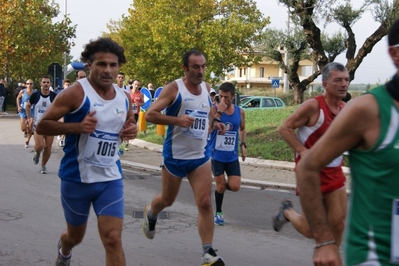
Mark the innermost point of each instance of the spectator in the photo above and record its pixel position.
(151, 89)
(4, 94)
(21, 86)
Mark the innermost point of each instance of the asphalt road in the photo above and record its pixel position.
(31, 219)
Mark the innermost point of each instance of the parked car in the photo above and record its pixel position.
(238, 98)
(261, 102)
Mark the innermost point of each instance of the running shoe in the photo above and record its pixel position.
(26, 144)
(36, 157)
(43, 170)
(279, 219)
(127, 146)
(121, 150)
(60, 261)
(211, 259)
(148, 226)
(61, 143)
(219, 219)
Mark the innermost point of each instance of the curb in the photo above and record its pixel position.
(248, 161)
(244, 181)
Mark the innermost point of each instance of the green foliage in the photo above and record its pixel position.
(156, 34)
(333, 44)
(31, 41)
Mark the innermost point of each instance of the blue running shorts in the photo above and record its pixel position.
(106, 197)
(181, 168)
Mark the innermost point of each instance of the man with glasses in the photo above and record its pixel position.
(81, 74)
(40, 101)
(185, 152)
(369, 128)
(22, 100)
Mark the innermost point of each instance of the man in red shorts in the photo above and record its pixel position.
(311, 120)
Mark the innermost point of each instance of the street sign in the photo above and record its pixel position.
(275, 83)
(279, 78)
(157, 92)
(156, 95)
(55, 70)
(147, 98)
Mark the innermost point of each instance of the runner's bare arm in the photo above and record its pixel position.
(302, 116)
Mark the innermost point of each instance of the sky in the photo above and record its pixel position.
(92, 16)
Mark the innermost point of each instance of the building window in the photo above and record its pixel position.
(240, 72)
(262, 72)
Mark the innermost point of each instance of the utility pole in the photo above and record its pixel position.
(65, 54)
(286, 57)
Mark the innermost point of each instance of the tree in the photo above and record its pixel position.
(298, 49)
(31, 41)
(155, 35)
(324, 48)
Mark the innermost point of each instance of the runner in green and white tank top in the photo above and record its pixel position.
(373, 217)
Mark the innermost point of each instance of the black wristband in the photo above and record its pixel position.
(216, 120)
(243, 144)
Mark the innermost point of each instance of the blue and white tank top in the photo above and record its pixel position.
(24, 101)
(225, 147)
(94, 157)
(188, 143)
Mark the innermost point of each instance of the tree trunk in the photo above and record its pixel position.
(298, 93)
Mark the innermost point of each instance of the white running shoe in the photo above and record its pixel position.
(148, 226)
(211, 259)
(43, 170)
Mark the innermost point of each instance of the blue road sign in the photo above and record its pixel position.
(147, 98)
(156, 95)
(157, 92)
(275, 83)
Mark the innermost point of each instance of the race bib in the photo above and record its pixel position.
(135, 109)
(395, 232)
(101, 149)
(226, 142)
(198, 128)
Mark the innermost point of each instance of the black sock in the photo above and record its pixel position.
(218, 201)
(152, 220)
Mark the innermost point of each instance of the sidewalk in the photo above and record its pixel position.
(255, 172)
